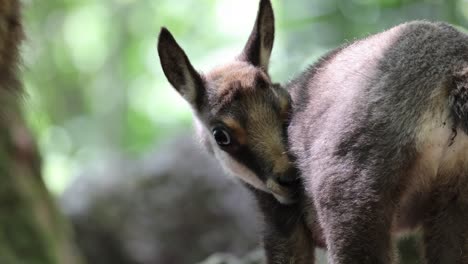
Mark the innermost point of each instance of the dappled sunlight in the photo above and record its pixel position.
(234, 19)
(89, 48)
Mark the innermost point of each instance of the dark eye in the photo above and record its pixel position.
(221, 136)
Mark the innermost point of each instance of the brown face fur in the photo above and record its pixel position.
(243, 101)
(239, 102)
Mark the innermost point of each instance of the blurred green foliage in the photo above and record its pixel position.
(95, 87)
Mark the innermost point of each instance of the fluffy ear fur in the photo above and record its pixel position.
(260, 43)
(178, 69)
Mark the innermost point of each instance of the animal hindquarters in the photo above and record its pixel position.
(356, 217)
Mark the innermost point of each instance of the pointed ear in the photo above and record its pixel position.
(260, 43)
(179, 71)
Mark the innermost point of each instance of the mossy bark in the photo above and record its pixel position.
(32, 230)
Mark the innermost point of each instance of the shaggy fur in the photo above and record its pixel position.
(378, 130)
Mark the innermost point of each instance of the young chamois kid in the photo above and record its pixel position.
(377, 130)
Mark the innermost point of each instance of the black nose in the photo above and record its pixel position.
(289, 178)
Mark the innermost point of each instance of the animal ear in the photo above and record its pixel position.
(178, 69)
(260, 43)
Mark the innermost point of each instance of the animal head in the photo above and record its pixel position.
(241, 116)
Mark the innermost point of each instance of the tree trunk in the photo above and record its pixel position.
(32, 231)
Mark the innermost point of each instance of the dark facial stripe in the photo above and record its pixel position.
(245, 156)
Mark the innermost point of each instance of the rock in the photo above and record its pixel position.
(174, 205)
